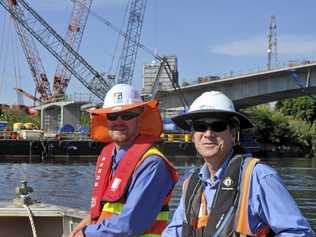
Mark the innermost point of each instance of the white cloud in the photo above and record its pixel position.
(288, 45)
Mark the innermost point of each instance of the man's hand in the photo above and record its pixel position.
(77, 231)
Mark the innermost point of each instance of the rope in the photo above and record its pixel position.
(29, 213)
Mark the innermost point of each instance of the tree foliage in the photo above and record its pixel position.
(15, 116)
(271, 126)
(302, 108)
(291, 124)
(304, 134)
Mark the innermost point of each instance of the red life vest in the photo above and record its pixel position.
(111, 188)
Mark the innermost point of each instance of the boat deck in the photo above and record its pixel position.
(49, 220)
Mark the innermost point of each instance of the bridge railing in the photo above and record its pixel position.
(231, 74)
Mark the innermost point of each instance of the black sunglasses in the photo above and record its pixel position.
(218, 126)
(128, 115)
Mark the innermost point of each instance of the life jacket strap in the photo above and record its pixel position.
(242, 222)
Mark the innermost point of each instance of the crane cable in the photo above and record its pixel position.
(120, 32)
(151, 52)
(118, 39)
(16, 61)
(4, 49)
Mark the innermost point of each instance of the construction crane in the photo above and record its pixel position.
(73, 37)
(27, 94)
(173, 77)
(51, 40)
(164, 64)
(131, 41)
(42, 86)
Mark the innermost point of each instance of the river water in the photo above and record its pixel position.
(70, 184)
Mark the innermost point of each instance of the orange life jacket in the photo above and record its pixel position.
(110, 189)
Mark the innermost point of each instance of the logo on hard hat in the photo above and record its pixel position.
(118, 97)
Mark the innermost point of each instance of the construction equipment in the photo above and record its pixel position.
(28, 95)
(173, 77)
(131, 41)
(84, 72)
(164, 64)
(73, 37)
(31, 54)
(51, 40)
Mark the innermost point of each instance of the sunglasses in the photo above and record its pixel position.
(124, 116)
(218, 126)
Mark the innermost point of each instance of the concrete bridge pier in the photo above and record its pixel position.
(55, 115)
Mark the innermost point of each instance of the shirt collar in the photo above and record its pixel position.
(205, 176)
(123, 149)
(117, 155)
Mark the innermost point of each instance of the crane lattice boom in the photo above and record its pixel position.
(131, 41)
(52, 41)
(73, 37)
(31, 54)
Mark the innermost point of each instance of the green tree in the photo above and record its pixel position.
(15, 116)
(271, 126)
(85, 119)
(303, 108)
(304, 134)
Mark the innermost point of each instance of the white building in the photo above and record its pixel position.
(150, 72)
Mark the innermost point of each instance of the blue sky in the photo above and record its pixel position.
(210, 37)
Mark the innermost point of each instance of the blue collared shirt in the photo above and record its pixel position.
(269, 203)
(151, 182)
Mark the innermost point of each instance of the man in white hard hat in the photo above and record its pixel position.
(133, 179)
(231, 194)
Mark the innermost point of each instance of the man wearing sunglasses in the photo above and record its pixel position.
(133, 179)
(231, 194)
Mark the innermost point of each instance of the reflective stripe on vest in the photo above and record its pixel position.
(116, 208)
(162, 218)
(240, 220)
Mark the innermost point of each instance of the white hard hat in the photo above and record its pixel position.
(121, 95)
(211, 105)
(212, 100)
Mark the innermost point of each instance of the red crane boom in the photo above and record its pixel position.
(51, 40)
(73, 37)
(32, 55)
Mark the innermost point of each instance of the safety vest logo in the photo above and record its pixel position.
(228, 182)
(115, 184)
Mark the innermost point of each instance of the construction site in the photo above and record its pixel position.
(60, 131)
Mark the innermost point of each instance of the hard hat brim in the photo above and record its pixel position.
(118, 108)
(150, 121)
(182, 120)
